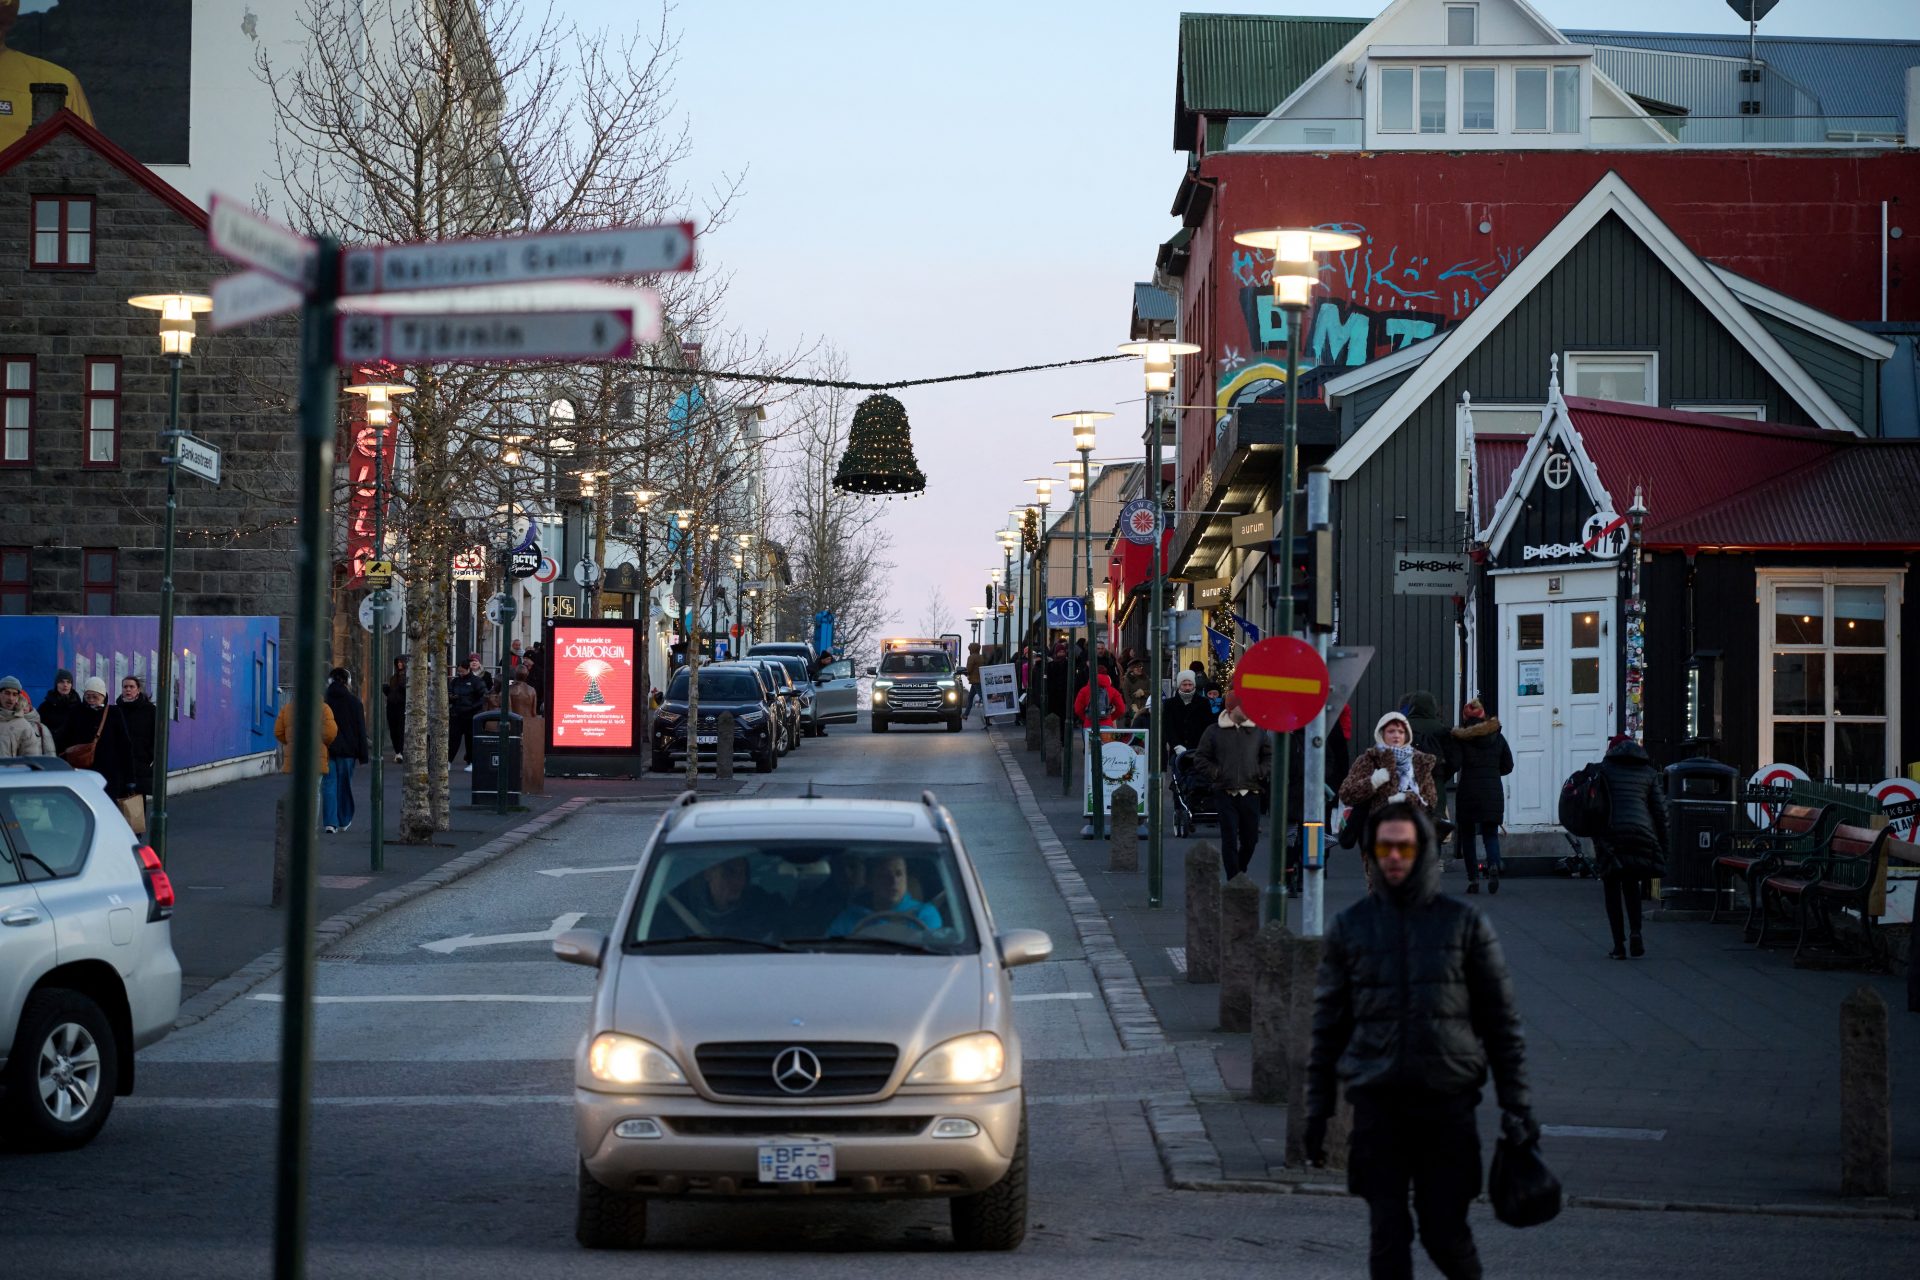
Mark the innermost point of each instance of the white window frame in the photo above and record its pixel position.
(1473, 11)
(1554, 123)
(1570, 362)
(1893, 581)
(1546, 100)
(1551, 124)
(1535, 411)
(1745, 412)
(1420, 97)
(1413, 100)
(1493, 74)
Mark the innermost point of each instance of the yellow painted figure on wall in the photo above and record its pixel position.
(18, 71)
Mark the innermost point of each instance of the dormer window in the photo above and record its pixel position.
(1413, 99)
(1463, 24)
(1546, 99)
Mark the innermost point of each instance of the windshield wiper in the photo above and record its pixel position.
(761, 943)
(891, 944)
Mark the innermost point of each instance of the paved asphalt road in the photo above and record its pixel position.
(443, 1146)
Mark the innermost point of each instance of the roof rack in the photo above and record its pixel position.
(39, 764)
(934, 813)
(686, 799)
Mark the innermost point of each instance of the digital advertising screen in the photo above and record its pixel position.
(127, 66)
(592, 702)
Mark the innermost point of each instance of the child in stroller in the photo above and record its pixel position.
(1192, 800)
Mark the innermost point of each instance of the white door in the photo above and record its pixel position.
(1556, 685)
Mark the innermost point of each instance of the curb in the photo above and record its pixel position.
(329, 931)
(1187, 1154)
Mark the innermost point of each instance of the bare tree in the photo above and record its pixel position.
(419, 120)
(835, 540)
(935, 618)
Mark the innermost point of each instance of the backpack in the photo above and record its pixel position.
(1584, 803)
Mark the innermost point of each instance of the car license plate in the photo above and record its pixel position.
(709, 740)
(797, 1162)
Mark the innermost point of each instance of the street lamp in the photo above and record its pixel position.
(1007, 539)
(1296, 272)
(1084, 422)
(379, 396)
(176, 344)
(1043, 498)
(1156, 362)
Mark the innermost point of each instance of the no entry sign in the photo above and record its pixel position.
(1282, 683)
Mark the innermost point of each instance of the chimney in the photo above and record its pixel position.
(48, 99)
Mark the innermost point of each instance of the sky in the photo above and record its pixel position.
(941, 188)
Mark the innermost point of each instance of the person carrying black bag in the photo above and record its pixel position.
(1413, 1008)
(1633, 848)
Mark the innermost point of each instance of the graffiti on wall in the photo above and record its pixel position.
(1378, 298)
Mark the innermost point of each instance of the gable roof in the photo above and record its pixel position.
(1611, 195)
(64, 122)
(1709, 481)
(1240, 64)
(1798, 313)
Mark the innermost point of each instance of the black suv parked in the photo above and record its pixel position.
(722, 688)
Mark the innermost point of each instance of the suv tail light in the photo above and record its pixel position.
(159, 884)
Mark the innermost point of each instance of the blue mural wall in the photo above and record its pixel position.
(225, 673)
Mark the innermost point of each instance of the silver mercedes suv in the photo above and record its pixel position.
(87, 970)
(803, 997)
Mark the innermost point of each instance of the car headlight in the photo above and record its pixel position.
(752, 717)
(953, 695)
(621, 1059)
(976, 1059)
(667, 718)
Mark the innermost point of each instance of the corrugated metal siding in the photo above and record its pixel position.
(1864, 494)
(1247, 64)
(1848, 77)
(1704, 86)
(1849, 378)
(1150, 302)
(1609, 291)
(1496, 458)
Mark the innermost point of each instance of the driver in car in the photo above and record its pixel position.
(887, 895)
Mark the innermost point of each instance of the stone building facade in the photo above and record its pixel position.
(84, 395)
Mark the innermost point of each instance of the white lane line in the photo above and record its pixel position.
(275, 998)
(1054, 995)
(1602, 1131)
(585, 871)
(1179, 957)
(422, 1100)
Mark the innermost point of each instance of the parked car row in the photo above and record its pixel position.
(773, 698)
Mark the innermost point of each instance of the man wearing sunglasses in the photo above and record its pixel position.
(1413, 1008)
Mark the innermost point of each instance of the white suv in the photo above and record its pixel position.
(87, 970)
(803, 998)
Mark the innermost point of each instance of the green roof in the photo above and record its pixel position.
(1246, 64)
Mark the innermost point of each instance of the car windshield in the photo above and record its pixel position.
(796, 666)
(803, 895)
(717, 686)
(916, 664)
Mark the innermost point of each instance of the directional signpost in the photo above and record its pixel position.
(288, 270)
(1066, 611)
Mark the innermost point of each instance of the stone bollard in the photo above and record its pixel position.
(1050, 745)
(723, 748)
(1032, 725)
(1272, 1013)
(1239, 922)
(1302, 969)
(282, 851)
(1123, 830)
(1866, 1097)
(1203, 912)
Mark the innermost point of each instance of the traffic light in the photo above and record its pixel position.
(1310, 580)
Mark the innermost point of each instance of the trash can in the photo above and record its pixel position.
(486, 759)
(1701, 801)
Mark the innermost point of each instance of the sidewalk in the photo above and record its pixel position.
(221, 860)
(1705, 1073)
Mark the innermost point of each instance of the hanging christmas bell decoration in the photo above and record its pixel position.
(879, 456)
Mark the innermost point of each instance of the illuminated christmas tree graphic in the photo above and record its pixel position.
(593, 669)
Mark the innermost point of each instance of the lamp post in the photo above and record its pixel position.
(739, 584)
(1296, 271)
(1084, 422)
(1077, 485)
(176, 344)
(1156, 361)
(379, 415)
(642, 506)
(1043, 498)
(1007, 539)
(1022, 592)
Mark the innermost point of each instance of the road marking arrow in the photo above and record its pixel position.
(586, 871)
(447, 946)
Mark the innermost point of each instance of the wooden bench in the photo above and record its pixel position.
(1797, 834)
(1840, 875)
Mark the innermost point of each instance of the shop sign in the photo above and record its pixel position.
(1424, 573)
(470, 565)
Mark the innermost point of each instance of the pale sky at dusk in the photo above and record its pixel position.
(941, 188)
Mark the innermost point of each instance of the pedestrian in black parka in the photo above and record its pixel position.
(1413, 1009)
(59, 704)
(1633, 849)
(1479, 757)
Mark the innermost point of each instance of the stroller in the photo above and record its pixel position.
(1192, 800)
